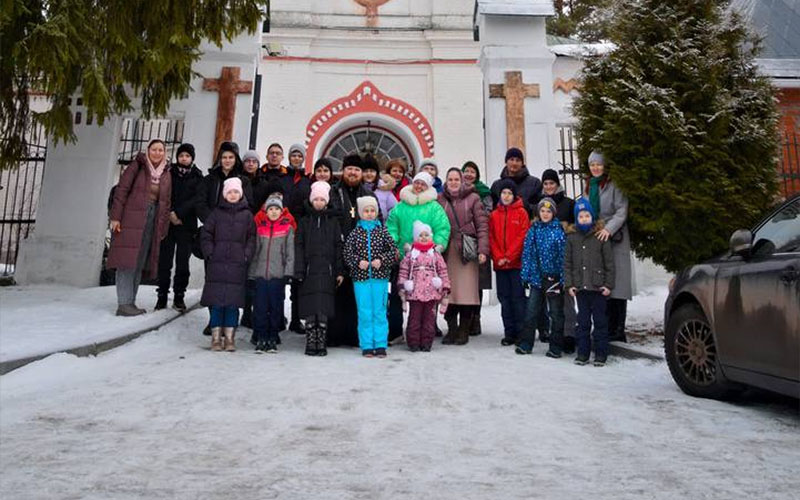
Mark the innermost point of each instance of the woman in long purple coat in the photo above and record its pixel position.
(139, 221)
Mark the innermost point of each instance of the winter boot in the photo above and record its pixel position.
(322, 340)
(230, 340)
(178, 304)
(216, 339)
(569, 345)
(311, 340)
(207, 330)
(129, 310)
(161, 303)
(451, 316)
(475, 327)
(462, 332)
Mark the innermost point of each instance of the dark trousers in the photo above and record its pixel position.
(592, 311)
(421, 320)
(178, 246)
(512, 302)
(616, 312)
(294, 296)
(395, 308)
(536, 309)
(268, 309)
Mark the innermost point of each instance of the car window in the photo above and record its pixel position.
(781, 233)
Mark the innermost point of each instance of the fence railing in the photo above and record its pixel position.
(19, 199)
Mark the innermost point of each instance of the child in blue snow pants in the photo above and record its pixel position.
(369, 254)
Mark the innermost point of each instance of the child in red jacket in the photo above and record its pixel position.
(508, 225)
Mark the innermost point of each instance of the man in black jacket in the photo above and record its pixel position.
(186, 179)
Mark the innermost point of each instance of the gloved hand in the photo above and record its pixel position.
(436, 282)
(408, 285)
(443, 305)
(439, 248)
(407, 248)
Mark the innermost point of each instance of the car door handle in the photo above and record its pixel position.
(790, 275)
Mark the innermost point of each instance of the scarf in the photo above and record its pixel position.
(584, 228)
(481, 188)
(369, 225)
(594, 192)
(422, 247)
(155, 172)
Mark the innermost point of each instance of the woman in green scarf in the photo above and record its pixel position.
(472, 177)
(611, 205)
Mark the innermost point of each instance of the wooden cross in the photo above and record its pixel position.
(514, 92)
(228, 85)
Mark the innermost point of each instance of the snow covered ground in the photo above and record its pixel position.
(38, 320)
(164, 417)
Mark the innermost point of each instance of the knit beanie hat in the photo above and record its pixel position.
(507, 184)
(424, 177)
(551, 175)
(274, 201)
(232, 184)
(515, 153)
(583, 205)
(421, 227)
(352, 160)
(320, 189)
(369, 163)
(429, 161)
(186, 148)
(363, 202)
(596, 157)
(250, 154)
(297, 148)
(548, 204)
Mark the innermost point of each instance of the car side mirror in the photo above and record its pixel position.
(741, 242)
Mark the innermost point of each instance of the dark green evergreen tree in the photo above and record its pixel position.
(110, 49)
(687, 125)
(585, 20)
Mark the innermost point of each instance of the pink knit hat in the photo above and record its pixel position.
(232, 184)
(320, 189)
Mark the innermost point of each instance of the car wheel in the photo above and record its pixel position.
(691, 352)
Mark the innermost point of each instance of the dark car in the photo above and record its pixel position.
(734, 321)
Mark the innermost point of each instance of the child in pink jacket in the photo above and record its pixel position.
(423, 282)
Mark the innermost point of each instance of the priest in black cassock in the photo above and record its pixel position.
(343, 328)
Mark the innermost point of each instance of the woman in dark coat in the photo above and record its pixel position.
(467, 216)
(472, 177)
(318, 266)
(228, 240)
(210, 192)
(139, 221)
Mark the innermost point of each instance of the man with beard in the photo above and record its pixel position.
(528, 186)
(343, 328)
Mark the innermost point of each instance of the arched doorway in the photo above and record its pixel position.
(381, 142)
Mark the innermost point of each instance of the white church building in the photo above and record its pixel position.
(453, 80)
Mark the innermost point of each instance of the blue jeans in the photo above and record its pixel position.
(591, 309)
(512, 302)
(536, 309)
(373, 323)
(268, 308)
(226, 317)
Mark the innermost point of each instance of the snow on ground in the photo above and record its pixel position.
(38, 320)
(164, 417)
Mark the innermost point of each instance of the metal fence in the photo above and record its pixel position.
(137, 132)
(789, 168)
(568, 162)
(19, 199)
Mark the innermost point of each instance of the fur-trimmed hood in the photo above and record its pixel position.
(596, 226)
(407, 195)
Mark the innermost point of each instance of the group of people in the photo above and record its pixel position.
(361, 251)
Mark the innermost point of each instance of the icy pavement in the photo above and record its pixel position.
(163, 417)
(36, 320)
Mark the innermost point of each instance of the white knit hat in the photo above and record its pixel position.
(424, 177)
(364, 202)
(421, 227)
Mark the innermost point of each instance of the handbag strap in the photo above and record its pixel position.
(455, 213)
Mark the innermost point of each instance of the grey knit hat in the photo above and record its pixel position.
(274, 201)
(548, 204)
(596, 157)
(250, 154)
(299, 148)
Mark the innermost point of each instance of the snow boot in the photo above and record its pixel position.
(161, 303)
(452, 325)
(311, 340)
(475, 327)
(322, 340)
(230, 339)
(178, 304)
(216, 339)
(207, 330)
(599, 360)
(582, 360)
(380, 352)
(462, 332)
(129, 310)
(569, 345)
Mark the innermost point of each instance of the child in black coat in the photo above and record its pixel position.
(318, 267)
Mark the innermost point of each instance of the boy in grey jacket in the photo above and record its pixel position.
(589, 276)
(272, 264)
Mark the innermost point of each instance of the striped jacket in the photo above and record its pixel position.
(274, 257)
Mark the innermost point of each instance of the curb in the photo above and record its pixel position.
(95, 348)
(628, 351)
